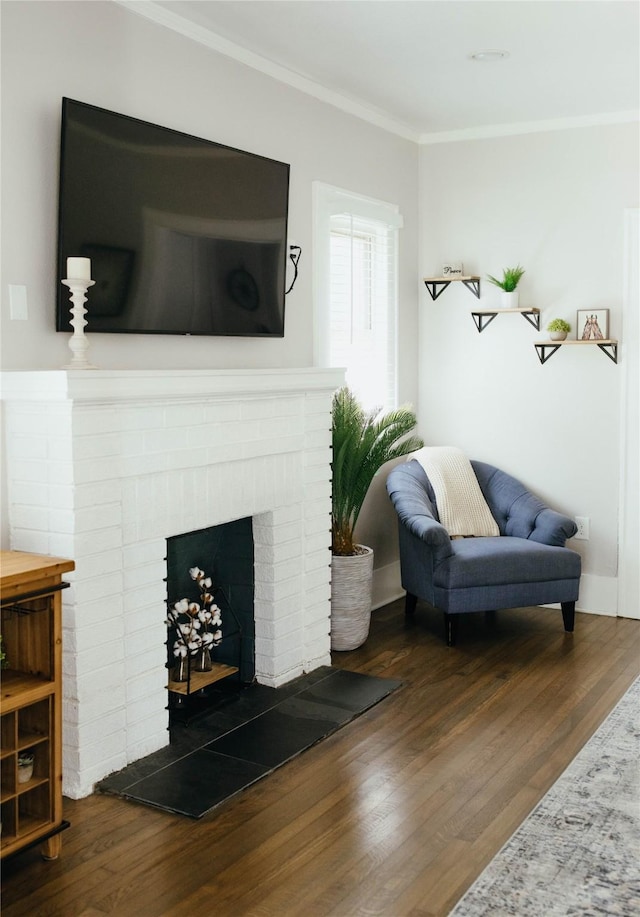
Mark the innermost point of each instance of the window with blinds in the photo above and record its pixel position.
(356, 257)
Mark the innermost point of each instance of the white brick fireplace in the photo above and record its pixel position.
(103, 466)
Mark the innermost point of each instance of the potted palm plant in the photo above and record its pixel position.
(509, 283)
(362, 443)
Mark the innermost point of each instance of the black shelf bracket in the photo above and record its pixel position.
(533, 318)
(611, 350)
(482, 319)
(436, 287)
(473, 284)
(546, 351)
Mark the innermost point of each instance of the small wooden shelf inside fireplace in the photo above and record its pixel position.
(200, 680)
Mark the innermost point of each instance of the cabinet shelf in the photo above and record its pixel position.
(546, 349)
(30, 785)
(30, 740)
(19, 688)
(484, 317)
(437, 285)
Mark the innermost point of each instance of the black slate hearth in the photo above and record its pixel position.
(246, 737)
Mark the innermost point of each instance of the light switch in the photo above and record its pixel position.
(18, 302)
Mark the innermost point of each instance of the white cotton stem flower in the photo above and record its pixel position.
(191, 620)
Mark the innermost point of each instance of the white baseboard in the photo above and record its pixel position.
(386, 585)
(598, 594)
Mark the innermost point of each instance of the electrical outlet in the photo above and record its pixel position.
(583, 528)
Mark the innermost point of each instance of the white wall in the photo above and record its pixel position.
(103, 54)
(106, 55)
(553, 202)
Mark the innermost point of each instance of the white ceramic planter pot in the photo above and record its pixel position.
(351, 584)
(558, 335)
(25, 768)
(509, 300)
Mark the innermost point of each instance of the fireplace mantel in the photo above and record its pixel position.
(161, 384)
(104, 465)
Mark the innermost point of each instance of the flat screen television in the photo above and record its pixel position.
(185, 236)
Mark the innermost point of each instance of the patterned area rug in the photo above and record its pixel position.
(578, 853)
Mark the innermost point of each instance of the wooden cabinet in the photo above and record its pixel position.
(31, 701)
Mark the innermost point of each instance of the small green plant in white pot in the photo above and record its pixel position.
(25, 766)
(558, 329)
(509, 285)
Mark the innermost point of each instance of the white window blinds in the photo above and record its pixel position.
(356, 250)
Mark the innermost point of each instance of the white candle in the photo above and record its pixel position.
(78, 269)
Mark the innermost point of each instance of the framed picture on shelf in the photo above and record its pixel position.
(592, 325)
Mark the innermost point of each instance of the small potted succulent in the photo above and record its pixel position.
(558, 329)
(509, 283)
(25, 766)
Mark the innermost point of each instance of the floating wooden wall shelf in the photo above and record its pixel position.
(546, 349)
(483, 317)
(437, 285)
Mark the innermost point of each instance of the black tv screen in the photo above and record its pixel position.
(185, 236)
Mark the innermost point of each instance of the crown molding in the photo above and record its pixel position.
(170, 20)
(150, 10)
(529, 127)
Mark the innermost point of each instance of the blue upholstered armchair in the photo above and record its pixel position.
(527, 564)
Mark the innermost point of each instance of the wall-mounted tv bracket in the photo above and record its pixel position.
(546, 349)
(437, 285)
(484, 317)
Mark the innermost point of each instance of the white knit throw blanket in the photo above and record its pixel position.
(461, 506)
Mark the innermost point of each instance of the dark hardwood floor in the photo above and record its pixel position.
(394, 815)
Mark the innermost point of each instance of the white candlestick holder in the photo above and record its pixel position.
(78, 342)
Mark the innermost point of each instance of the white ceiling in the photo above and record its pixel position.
(405, 64)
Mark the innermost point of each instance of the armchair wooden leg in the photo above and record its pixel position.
(410, 603)
(451, 628)
(568, 615)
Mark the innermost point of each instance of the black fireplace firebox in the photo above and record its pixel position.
(225, 554)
